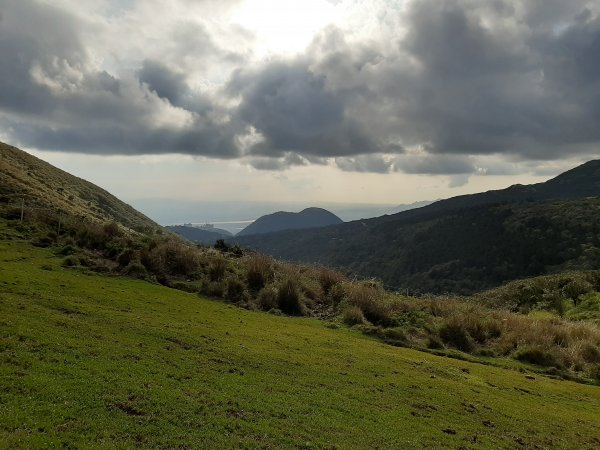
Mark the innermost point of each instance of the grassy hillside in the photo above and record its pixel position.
(95, 361)
(463, 251)
(44, 188)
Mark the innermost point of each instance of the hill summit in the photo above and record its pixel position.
(282, 220)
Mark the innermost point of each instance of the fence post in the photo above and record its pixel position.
(22, 208)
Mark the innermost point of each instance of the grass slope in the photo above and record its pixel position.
(43, 186)
(91, 361)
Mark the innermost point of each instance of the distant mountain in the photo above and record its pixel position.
(206, 236)
(466, 243)
(307, 218)
(27, 180)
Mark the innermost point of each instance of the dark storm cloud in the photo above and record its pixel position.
(294, 110)
(173, 87)
(449, 79)
(488, 83)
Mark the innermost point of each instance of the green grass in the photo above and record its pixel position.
(88, 361)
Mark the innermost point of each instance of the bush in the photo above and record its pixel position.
(170, 257)
(289, 299)
(67, 250)
(481, 329)
(259, 272)
(394, 336)
(537, 356)
(213, 288)
(125, 257)
(267, 298)
(70, 261)
(111, 229)
(455, 334)
(234, 290)
(329, 278)
(590, 353)
(217, 268)
(44, 241)
(353, 315)
(337, 294)
(370, 300)
(135, 269)
(434, 343)
(575, 288)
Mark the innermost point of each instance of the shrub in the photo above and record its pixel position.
(170, 257)
(455, 334)
(70, 261)
(234, 290)
(213, 288)
(217, 268)
(125, 257)
(183, 286)
(329, 278)
(67, 250)
(481, 328)
(289, 299)
(221, 245)
(111, 229)
(394, 336)
(259, 272)
(537, 356)
(44, 241)
(441, 308)
(267, 298)
(590, 353)
(135, 269)
(434, 343)
(370, 300)
(337, 294)
(353, 315)
(575, 288)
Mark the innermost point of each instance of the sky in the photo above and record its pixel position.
(302, 102)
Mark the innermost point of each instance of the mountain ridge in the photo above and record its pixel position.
(463, 244)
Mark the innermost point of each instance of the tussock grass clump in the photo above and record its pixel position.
(328, 278)
(259, 271)
(235, 290)
(538, 356)
(289, 298)
(217, 268)
(370, 299)
(353, 315)
(454, 333)
(171, 258)
(70, 261)
(267, 298)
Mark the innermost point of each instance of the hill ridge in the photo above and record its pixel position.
(42, 185)
(311, 217)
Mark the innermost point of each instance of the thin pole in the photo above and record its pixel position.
(22, 208)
